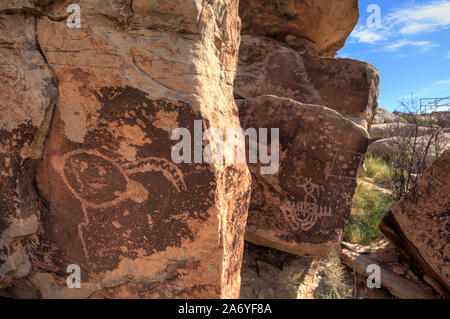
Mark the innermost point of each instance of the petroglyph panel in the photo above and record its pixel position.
(303, 209)
(115, 201)
(293, 69)
(98, 182)
(345, 164)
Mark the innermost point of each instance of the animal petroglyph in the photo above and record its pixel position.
(98, 181)
(305, 214)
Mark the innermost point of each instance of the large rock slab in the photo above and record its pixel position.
(348, 86)
(387, 130)
(327, 23)
(27, 97)
(268, 66)
(112, 200)
(303, 208)
(384, 116)
(420, 225)
(390, 147)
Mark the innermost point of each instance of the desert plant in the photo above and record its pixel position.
(422, 141)
(369, 207)
(378, 169)
(332, 285)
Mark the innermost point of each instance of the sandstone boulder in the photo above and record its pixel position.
(326, 23)
(271, 67)
(303, 208)
(348, 86)
(112, 200)
(419, 224)
(267, 66)
(384, 116)
(388, 147)
(387, 130)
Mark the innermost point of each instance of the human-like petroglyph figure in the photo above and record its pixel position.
(99, 182)
(305, 214)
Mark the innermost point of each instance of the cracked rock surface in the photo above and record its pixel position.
(27, 99)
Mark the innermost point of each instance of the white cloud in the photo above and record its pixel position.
(423, 18)
(424, 45)
(366, 35)
(443, 82)
(448, 55)
(343, 55)
(439, 88)
(416, 20)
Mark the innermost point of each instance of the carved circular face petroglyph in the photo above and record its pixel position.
(98, 182)
(94, 179)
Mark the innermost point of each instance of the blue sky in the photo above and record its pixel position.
(410, 47)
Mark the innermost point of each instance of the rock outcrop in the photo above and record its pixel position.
(326, 23)
(426, 145)
(267, 66)
(419, 225)
(323, 108)
(111, 199)
(384, 116)
(426, 135)
(387, 130)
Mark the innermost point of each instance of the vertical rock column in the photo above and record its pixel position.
(113, 200)
(27, 97)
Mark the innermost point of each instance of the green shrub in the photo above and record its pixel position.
(379, 169)
(369, 207)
